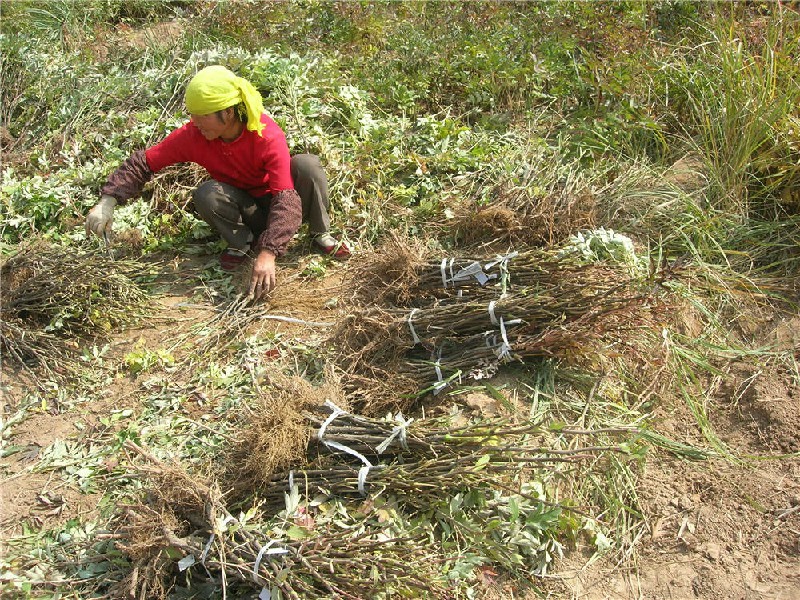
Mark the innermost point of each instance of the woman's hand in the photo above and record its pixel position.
(263, 274)
(101, 217)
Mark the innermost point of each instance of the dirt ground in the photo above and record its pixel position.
(715, 531)
(718, 529)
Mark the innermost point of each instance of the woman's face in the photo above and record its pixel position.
(214, 125)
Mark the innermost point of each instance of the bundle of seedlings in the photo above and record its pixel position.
(415, 481)
(464, 478)
(26, 347)
(401, 274)
(349, 455)
(395, 435)
(278, 431)
(540, 268)
(497, 509)
(384, 333)
(52, 296)
(396, 529)
(561, 320)
(620, 326)
(184, 523)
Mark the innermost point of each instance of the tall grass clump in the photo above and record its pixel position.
(740, 97)
(728, 96)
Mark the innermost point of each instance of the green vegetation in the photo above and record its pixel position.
(675, 123)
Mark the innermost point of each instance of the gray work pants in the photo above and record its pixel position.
(240, 218)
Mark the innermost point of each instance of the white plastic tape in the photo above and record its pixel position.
(266, 550)
(362, 473)
(336, 411)
(411, 327)
(400, 430)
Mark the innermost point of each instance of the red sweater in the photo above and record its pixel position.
(258, 165)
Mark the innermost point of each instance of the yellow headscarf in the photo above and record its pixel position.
(216, 88)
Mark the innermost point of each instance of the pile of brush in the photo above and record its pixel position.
(460, 319)
(53, 297)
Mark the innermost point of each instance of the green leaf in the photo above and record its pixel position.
(282, 575)
(298, 533)
(482, 462)
(84, 472)
(513, 505)
(495, 393)
(601, 542)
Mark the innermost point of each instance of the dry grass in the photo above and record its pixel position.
(388, 276)
(490, 225)
(275, 433)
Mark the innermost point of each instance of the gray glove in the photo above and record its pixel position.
(101, 217)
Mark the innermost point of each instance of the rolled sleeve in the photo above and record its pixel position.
(283, 221)
(128, 180)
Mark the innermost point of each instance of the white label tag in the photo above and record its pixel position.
(186, 562)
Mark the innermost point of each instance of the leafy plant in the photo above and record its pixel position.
(142, 359)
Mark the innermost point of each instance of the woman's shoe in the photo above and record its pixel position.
(231, 259)
(327, 244)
